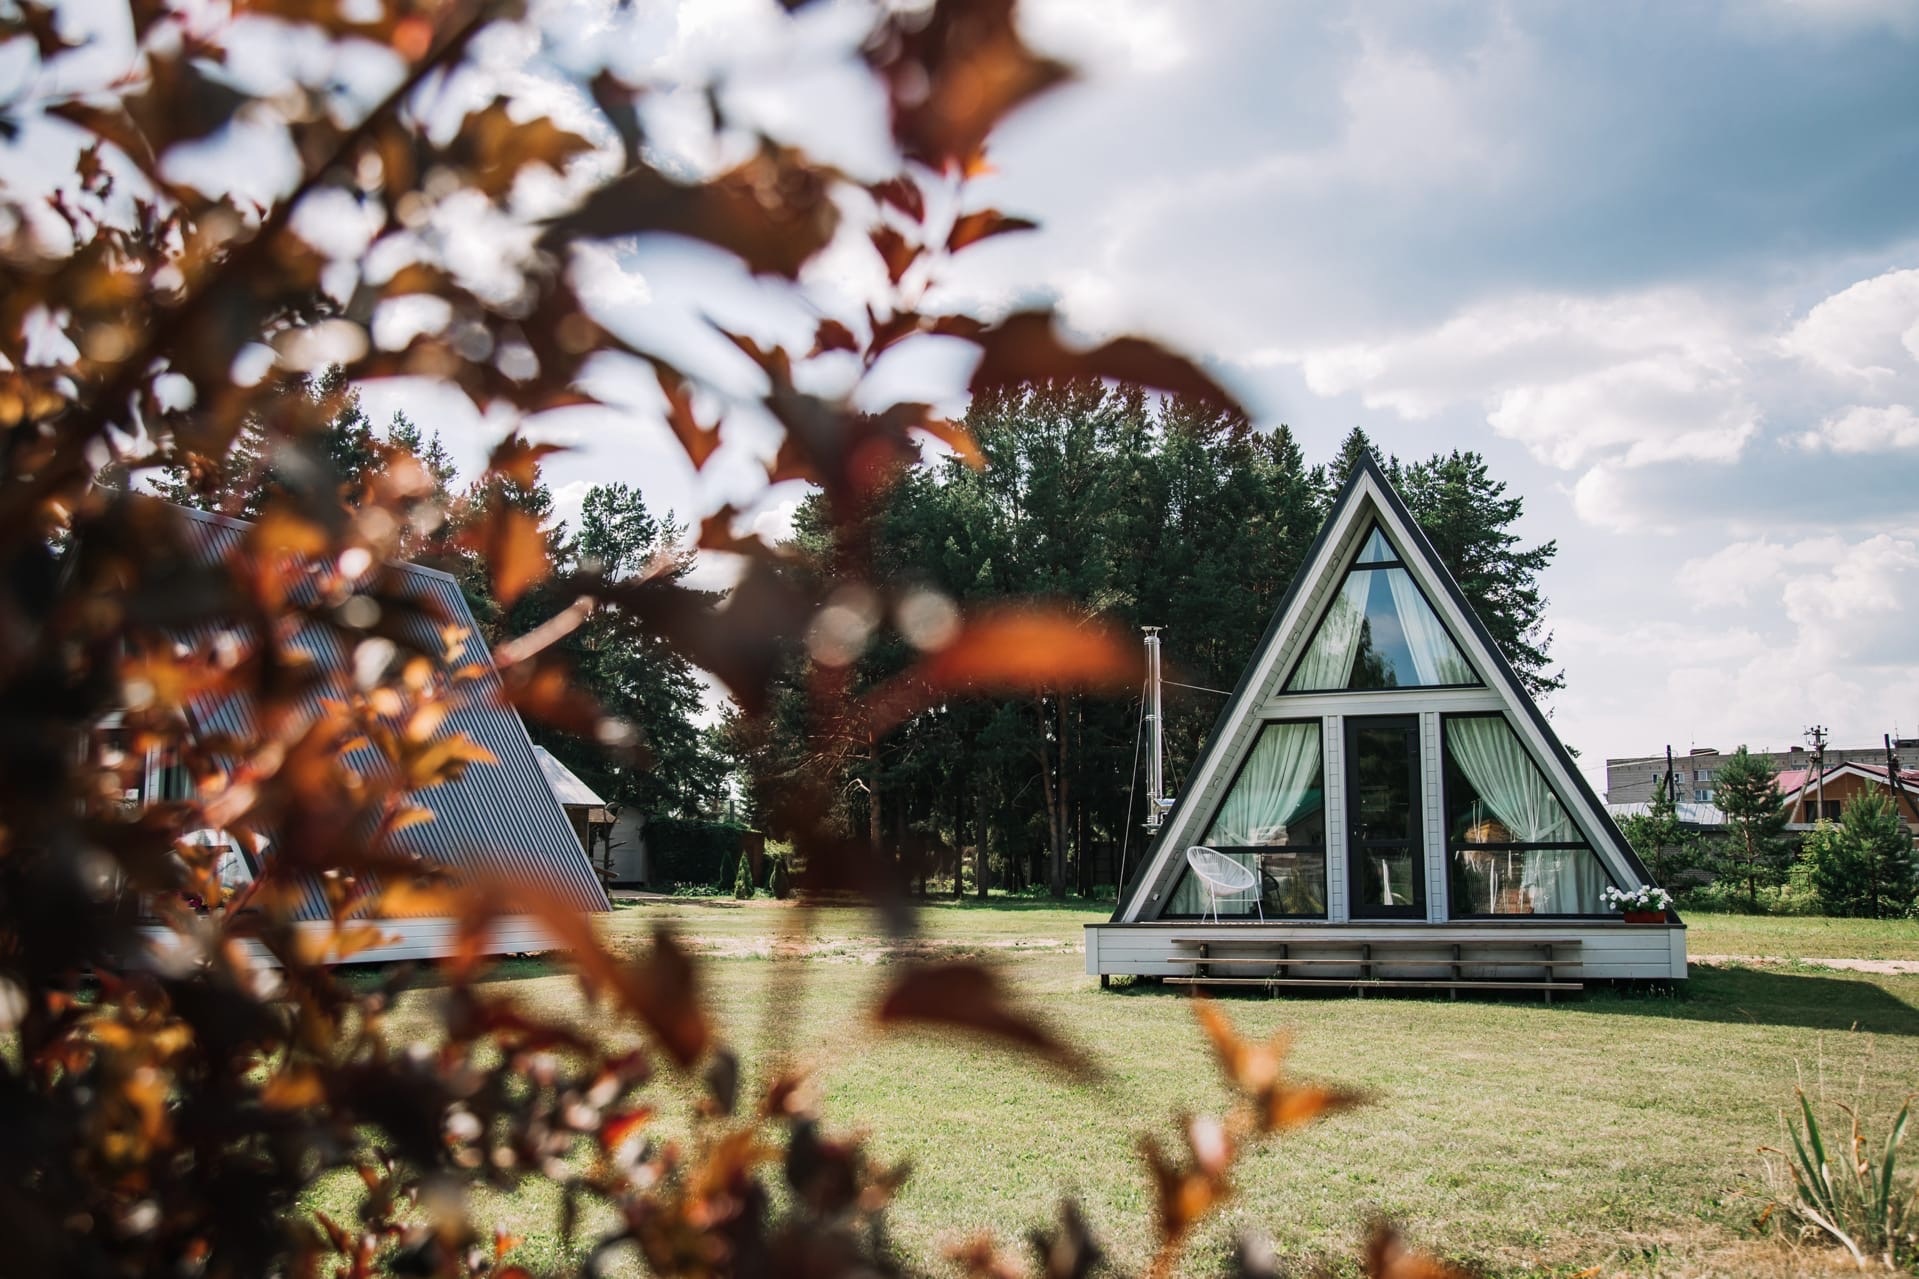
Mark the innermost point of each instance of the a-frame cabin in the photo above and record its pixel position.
(1387, 804)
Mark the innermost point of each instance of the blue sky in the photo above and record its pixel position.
(1658, 261)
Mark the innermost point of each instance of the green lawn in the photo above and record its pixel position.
(1617, 1130)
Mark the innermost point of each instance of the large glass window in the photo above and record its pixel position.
(1273, 823)
(1379, 632)
(1513, 847)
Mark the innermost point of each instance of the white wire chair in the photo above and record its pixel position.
(1221, 876)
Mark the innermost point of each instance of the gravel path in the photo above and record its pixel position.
(1882, 967)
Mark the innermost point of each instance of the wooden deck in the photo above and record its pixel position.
(1535, 963)
(1545, 955)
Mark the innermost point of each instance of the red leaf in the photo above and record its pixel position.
(971, 228)
(896, 251)
(773, 212)
(903, 194)
(966, 997)
(1025, 348)
(952, 74)
(834, 336)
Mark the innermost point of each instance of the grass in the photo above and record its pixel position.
(1615, 1131)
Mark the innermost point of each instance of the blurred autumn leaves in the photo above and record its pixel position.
(175, 1112)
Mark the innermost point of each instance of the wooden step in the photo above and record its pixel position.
(1350, 982)
(1465, 961)
(1333, 939)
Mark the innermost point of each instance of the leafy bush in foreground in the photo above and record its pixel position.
(184, 1064)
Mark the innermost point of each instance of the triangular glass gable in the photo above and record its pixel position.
(1379, 632)
(1377, 549)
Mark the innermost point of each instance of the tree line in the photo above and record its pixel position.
(1138, 509)
(1860, 865)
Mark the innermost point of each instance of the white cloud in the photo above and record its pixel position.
(1867, 334)
(1112, 36)
(1865, 429)
(1625, 381)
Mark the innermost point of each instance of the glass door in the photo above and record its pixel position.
(1385, 843)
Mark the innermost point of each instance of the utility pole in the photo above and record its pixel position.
(1672, 783)
(1898, 784)
(1817, 736)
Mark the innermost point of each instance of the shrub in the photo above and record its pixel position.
(778, 882)
(743, 878)
(1852, 1195)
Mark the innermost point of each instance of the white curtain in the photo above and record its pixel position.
(1273, 787)
(1508, 783)
(1272, 791)
(1328, 662)
(1435, 657)
(1563, 881)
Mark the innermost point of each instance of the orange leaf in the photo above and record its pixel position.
(968, 997)
(699, 441)
(955, 436)
(515, 551)
(1011, 650)
(293, 1089)
(519, 460)
(1388, 1258)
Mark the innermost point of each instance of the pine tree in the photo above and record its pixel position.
(1355, 446)
(1748, 794)
(1468, 518)
(1659, 837)
(1863, 866)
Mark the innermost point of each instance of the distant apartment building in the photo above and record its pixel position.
(1633, 779)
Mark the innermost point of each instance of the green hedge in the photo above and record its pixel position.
(683, 851)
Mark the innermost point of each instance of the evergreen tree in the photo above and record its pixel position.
(1862, 866)
(1468, 517)
(1355, 446)
(1748, 794)
(1660, 838)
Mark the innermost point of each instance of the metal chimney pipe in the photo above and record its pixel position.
(1155, 775)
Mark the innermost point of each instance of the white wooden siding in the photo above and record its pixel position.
(1332, 761)
(1435, 824)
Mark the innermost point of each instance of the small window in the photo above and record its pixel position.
(1377, 549)
(1379, 632)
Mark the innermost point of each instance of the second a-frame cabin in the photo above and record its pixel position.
(1381, 803)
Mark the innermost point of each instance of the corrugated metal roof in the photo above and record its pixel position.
(566, 784)
(502, 817)
(1686, 811)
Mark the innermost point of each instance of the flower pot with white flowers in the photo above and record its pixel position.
(1647, 905)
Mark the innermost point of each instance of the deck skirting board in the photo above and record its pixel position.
(1606, 952)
